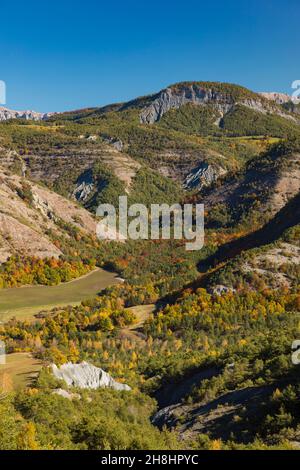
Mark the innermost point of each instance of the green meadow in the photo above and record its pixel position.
(24, 302)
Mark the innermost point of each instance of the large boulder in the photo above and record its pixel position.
(85, 375)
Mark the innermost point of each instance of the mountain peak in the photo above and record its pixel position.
(222, 96)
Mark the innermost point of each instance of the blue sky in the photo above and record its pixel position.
(59, 55)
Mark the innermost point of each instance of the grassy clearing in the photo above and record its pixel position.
(133, 332)
(22, 368)
(142, 313)
(24, 302)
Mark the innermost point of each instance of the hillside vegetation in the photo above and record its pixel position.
(202, 338)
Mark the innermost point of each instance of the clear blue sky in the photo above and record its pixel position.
(58, 55)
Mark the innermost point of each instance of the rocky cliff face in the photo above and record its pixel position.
(84, 187)
(86, 375)
(175, 97)
(280, 98)
(203, 175)
(6, 114)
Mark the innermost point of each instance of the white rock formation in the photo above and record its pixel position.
(220, 289)
(85, 375)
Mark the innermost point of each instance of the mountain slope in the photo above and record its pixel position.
(268, 257)
(256, 193)
(32, 218)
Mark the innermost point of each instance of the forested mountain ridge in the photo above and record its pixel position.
(199, 128)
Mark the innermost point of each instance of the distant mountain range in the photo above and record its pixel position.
(6, 114)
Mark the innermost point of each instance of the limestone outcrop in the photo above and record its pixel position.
(203, 175)
(175, 97)
(85, 375)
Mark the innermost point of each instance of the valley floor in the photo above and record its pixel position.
(27, 301)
